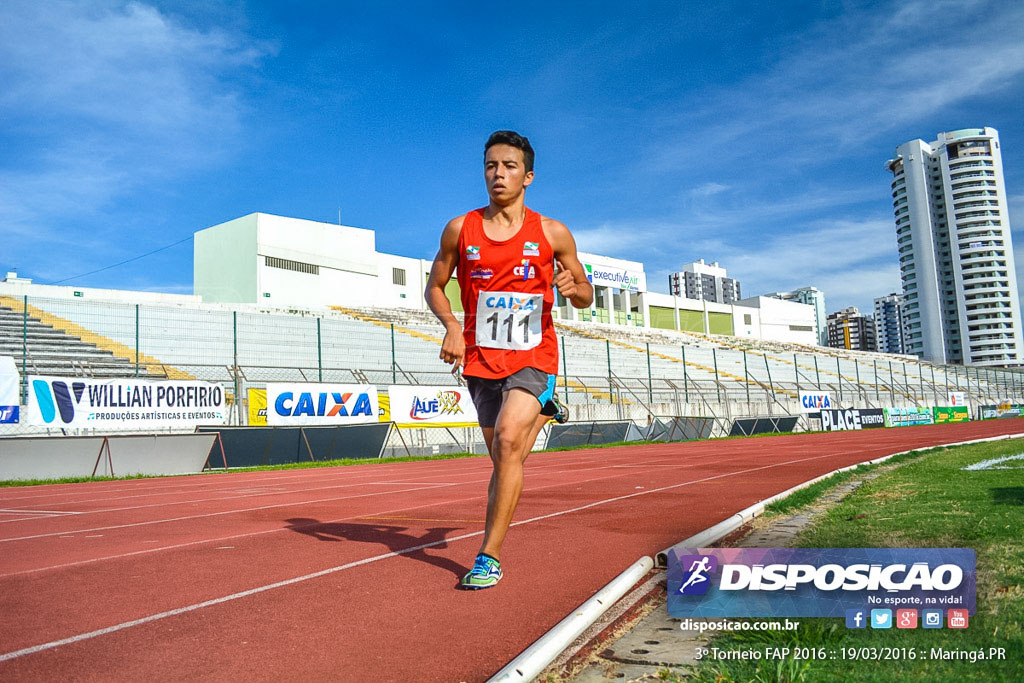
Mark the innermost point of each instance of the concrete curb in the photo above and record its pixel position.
(535, 658)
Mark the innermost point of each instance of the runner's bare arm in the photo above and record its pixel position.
(453, 348)
(570, 278)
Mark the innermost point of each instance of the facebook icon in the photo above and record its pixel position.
(856, 618)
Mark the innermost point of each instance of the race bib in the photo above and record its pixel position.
(508, 320)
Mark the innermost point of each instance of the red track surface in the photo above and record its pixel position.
(350, 573)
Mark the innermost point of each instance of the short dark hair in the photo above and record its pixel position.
(513, 139)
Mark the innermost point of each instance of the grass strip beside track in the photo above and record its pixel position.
(929, 501)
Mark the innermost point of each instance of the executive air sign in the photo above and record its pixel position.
(320, 404)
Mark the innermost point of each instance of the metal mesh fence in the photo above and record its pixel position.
(628, 374)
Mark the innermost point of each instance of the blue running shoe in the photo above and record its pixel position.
(485, 573)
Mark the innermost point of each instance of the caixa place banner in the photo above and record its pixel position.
(817, 582)
(321, 404)
(422, 406)
(87, 403)
(852, 418)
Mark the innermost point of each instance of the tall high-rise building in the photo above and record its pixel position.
(707, 281)
(889, 323)
(813, 297)
(956, 257)
(849, 329)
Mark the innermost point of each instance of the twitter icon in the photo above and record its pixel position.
(881, 618)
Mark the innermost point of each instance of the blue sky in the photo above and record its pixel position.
(753, 134)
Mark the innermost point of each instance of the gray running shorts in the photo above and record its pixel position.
(488, 393)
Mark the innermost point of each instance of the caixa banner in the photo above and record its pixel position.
(321, 404)
(422, 406)
(87, 403)
(813, 401)
(816, 582)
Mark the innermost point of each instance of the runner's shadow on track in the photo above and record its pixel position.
(385, 534)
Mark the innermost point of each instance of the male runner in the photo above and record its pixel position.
(508, 259)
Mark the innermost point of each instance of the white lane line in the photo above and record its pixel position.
(222, 498)
(332, 570)
(26, 511)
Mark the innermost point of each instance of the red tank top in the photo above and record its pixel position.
(507, 299)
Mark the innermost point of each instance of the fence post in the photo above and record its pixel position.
(935, 393)
(874, 370)
(136, 340)
(920, 377)
(686, 388)
(769, 371)
(839, 371)
(817, 375)
(796, 373)
(24, 349)
(746, 378)
(611, 385)
(650, 379)
(892, 383)
(320, 353)
(967, 374)
(565, 372)
(234, 335)
(856, 372)
(394, 374)
(718, 383)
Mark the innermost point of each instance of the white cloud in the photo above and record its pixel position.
(101, 97)
(708, 189)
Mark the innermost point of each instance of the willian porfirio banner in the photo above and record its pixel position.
(321, 404)
(9, 380)
(438, 406)
(89, 403)
(817, 582)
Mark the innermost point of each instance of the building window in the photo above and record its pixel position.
(287, 264)
(398, 276)
(746, 318)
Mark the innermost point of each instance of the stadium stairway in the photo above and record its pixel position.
(56, 346)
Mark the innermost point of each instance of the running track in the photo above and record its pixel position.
(349, 573)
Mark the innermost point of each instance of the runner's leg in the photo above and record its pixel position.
(509, 446)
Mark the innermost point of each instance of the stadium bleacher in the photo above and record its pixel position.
(608, 371)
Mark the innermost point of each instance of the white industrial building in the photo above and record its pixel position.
(286, 262)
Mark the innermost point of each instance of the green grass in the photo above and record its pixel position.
(929, 501)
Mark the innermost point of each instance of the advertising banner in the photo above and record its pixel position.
(852, 418)
(618, 278)
(257, 407)
(1001, 410)
(906, 417)
(817, 582)
(813, 401)
(957, 398)
(9, 381)
(320, 404)
(951, 414)
(424, 406)
(88, 403)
